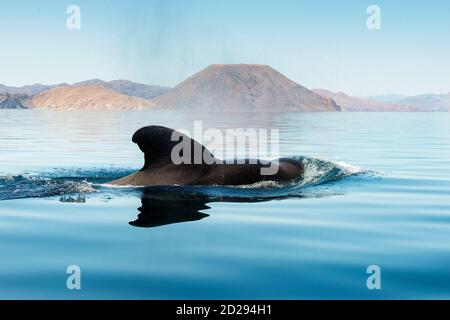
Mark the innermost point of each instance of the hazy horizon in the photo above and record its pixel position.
(324, 44)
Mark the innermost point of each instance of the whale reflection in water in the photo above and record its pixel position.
(165, 205)
(158, 210)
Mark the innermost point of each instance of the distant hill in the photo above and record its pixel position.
(87, 97)
(424, 102)
(242, 87)
(137, 89)
(14, 101)
(393, 98)
(429, 102)
(349, 103)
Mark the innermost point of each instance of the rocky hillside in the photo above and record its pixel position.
(243, 87)
(87, 97)
(14, 101)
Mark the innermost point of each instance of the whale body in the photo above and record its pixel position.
(157, 144)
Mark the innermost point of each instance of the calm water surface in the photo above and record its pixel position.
(378, 193)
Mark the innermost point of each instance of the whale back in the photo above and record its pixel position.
(157, 143)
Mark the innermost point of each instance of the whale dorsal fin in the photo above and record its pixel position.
(157, 145)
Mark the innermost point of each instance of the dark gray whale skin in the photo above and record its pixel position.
(156, 144)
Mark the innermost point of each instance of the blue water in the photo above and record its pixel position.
(376, 193)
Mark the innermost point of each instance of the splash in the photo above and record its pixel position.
(65, 182)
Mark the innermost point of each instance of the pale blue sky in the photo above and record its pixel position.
(320, 44)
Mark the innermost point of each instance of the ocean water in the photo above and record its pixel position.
(376, 192)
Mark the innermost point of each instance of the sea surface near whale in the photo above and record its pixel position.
(376, 192)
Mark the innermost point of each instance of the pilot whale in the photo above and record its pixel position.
(158, 145)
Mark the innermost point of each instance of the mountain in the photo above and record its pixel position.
(87, 97)
(349, 103)
(242, 87)
(218, 87)
(14, 101)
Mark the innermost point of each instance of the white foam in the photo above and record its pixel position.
(261, 184)
(349, 168)
(115, 186)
